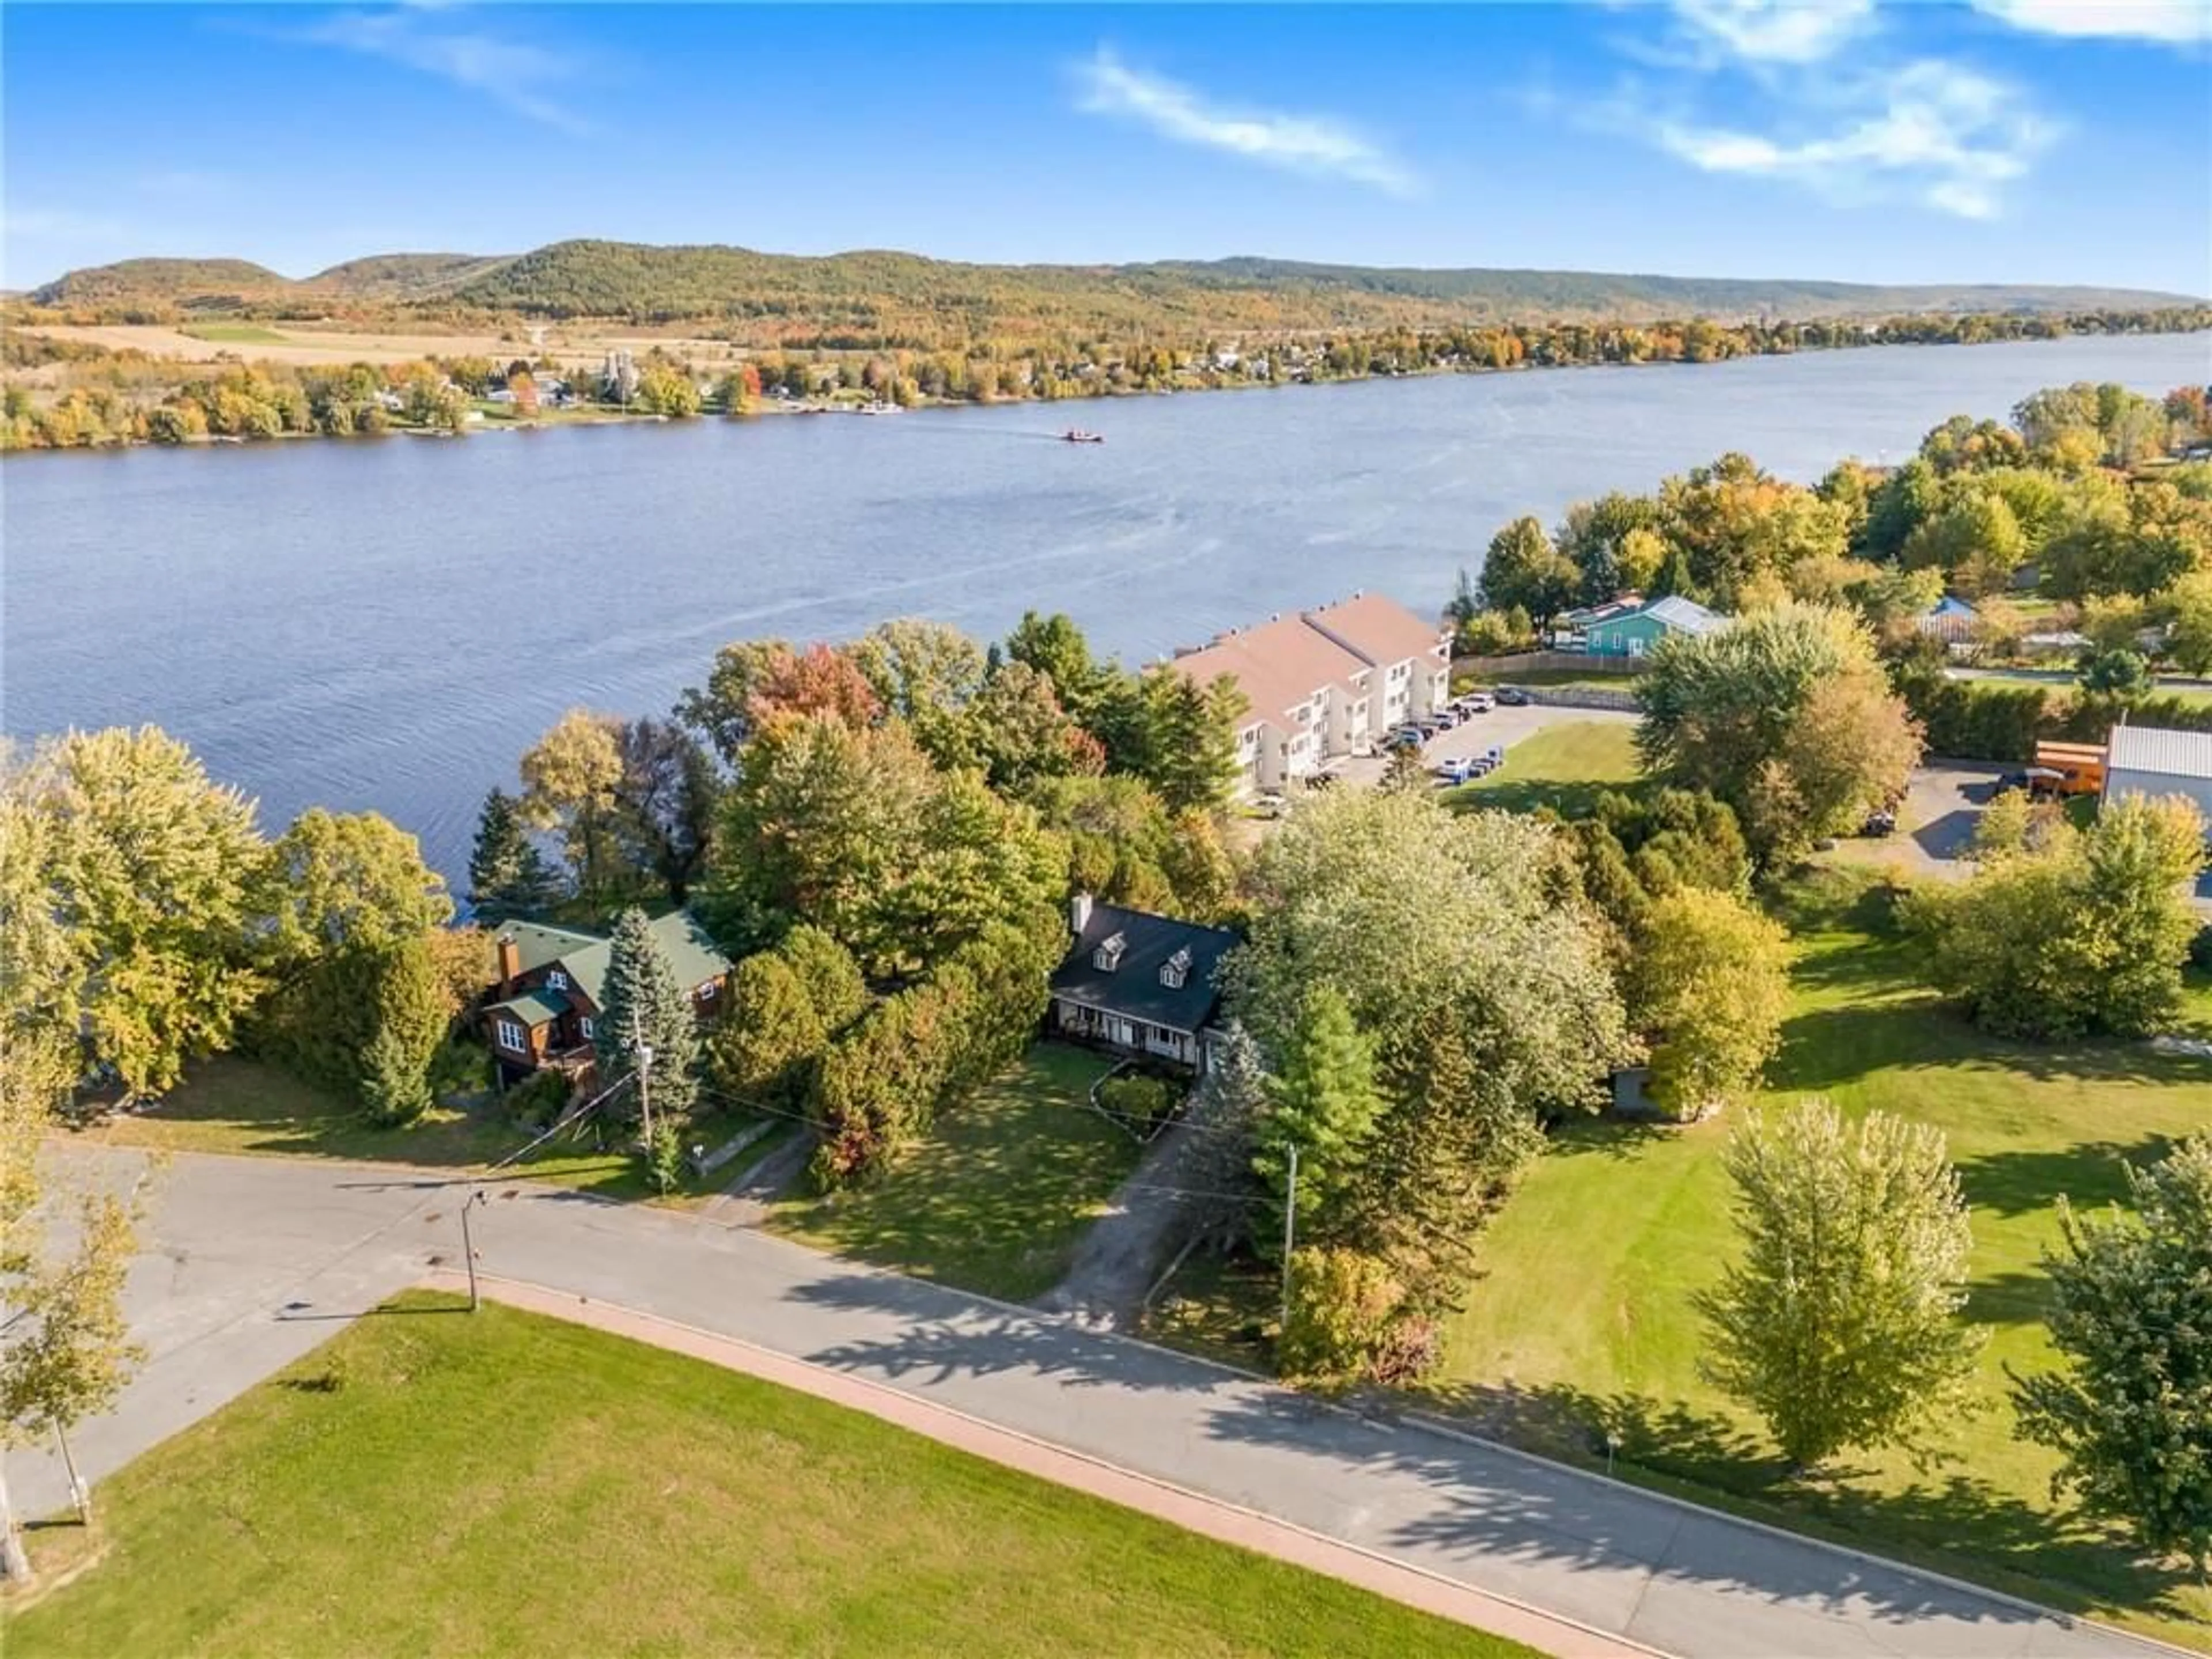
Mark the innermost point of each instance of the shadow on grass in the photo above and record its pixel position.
(996, 1196)
(1609, 1137)
(2025, 1181)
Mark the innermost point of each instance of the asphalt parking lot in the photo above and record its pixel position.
(1471, 737)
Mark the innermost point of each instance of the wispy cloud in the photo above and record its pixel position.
(1815, 95)
(526, 77)
(1775, 30)
(2175, 22)
(1944, 136)
(1317, 145)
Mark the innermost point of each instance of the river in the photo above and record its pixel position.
(386, 624)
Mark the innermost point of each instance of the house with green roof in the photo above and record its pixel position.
(543, 1007)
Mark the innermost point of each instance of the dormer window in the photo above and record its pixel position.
(1176, 970)
(1108, 957)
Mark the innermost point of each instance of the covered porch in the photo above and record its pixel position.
(1123, 1035)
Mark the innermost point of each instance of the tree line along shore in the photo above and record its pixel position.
(64, 390)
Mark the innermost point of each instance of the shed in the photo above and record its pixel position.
(2154, 761)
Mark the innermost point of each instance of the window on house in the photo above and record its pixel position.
(707, 991)
(511, 1035)
(556, 980)
(584, 1024)
(1108, 957)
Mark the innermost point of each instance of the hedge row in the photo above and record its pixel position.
(2003, 720)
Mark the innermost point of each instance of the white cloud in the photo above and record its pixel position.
(2176, 22)
(1775, 30)
(1314, 144)
(522, 77)
(1938, 133)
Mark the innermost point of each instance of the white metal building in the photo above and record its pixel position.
(2149, 760)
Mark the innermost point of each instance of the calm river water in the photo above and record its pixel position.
(387, 625)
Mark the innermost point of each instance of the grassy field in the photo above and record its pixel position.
(996, 1194)
(1580, 1320)
(232, 1104)
(510, 1484)
(234, 334)
(1564, 767)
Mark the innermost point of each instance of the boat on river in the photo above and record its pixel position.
(1077, 435)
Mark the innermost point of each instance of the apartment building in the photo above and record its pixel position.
(1326, 684)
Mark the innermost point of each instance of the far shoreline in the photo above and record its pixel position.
(778, 408)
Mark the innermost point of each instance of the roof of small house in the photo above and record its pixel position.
(1686, 616)
(1584, 617)
(1380, 629)
(692, 955)
(1134, 989)
(537, 943)
(2157, 750)
(1278, 666)
(1951, 605)
(534, 1007)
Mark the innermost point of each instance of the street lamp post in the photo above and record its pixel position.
(468, 1245)
(644, 1051)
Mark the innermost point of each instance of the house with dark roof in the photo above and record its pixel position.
(1138, 984)
(543, 1007)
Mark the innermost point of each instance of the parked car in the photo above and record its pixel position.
(1477, 702)
(1512, 697)
(1458, 771)
(1882, 821)
(1405, 737)
(1448, 717)
(1271, 806)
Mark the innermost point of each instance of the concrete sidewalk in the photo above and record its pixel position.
(250, 1263)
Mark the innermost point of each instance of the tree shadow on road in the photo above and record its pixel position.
(947, 1335)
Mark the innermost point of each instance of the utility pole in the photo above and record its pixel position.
(644, 1051)
(468, 1245)
(1290, 1232)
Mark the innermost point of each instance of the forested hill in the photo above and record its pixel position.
(887, 296)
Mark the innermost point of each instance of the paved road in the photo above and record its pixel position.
(250, 1263)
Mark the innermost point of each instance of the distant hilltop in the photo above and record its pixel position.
(873, 296)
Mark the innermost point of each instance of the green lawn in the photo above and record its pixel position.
(430, 1482)
(234, 333)
(1564, 767)
(233, 1104)
(995, 1196)
(1580, 1317)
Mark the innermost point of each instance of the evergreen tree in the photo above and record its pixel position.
(507, 875)
(1191, 748)
(411, 1021)
(645, 1007)
(1324, 1102)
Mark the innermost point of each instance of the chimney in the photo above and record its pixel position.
(1078, 913)
(510, 961)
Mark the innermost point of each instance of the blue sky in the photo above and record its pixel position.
(1986, 140)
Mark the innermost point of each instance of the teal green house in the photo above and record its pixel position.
(1636, 633)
